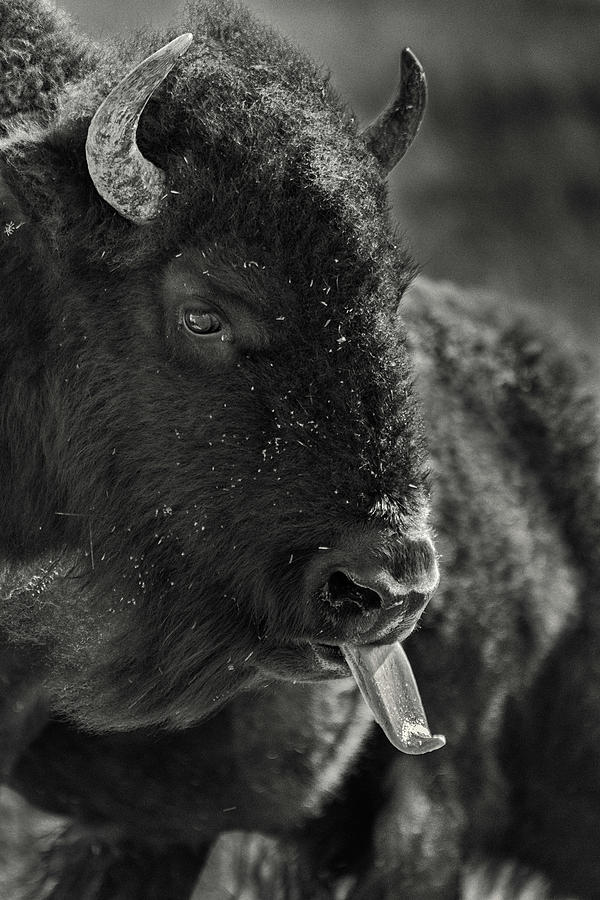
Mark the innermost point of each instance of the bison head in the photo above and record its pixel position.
(214, 470)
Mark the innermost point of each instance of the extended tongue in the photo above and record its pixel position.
(387, 683)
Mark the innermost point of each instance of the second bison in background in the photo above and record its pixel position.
(216, 499)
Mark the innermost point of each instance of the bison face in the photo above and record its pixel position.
(225, 437)
(252, 485)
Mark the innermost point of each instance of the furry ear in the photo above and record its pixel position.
(12, 217)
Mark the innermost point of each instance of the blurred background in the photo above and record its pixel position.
(502, 188)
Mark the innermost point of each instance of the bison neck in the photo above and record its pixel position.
(266, 762)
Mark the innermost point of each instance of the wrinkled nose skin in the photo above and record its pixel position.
(371, 591)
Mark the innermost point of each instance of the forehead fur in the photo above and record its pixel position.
(260, 157)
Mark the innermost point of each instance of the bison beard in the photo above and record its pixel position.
(216, 500)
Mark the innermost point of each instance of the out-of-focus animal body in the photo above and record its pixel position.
(177, 509)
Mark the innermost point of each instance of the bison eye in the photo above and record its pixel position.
(201, 322)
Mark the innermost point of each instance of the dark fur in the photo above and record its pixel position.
(160, 507)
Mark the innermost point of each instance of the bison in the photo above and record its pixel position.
(226, 450)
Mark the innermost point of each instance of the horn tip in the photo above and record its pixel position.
(180, 44)
(410, 60)
(412, 77)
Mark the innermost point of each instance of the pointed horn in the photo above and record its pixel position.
(122, 176)
(391, 134)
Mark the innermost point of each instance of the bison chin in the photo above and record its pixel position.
(188, 686)
(119, 665)
(384, 677)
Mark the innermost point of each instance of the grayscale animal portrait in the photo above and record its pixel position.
(300, 550)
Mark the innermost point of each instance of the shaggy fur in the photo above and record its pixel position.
(165, 504)
(37, 59)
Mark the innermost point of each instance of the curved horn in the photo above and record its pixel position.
(393, 131)
(129, 182)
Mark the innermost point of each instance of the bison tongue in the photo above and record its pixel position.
(387, 683)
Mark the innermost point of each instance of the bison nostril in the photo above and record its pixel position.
(341, 591)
